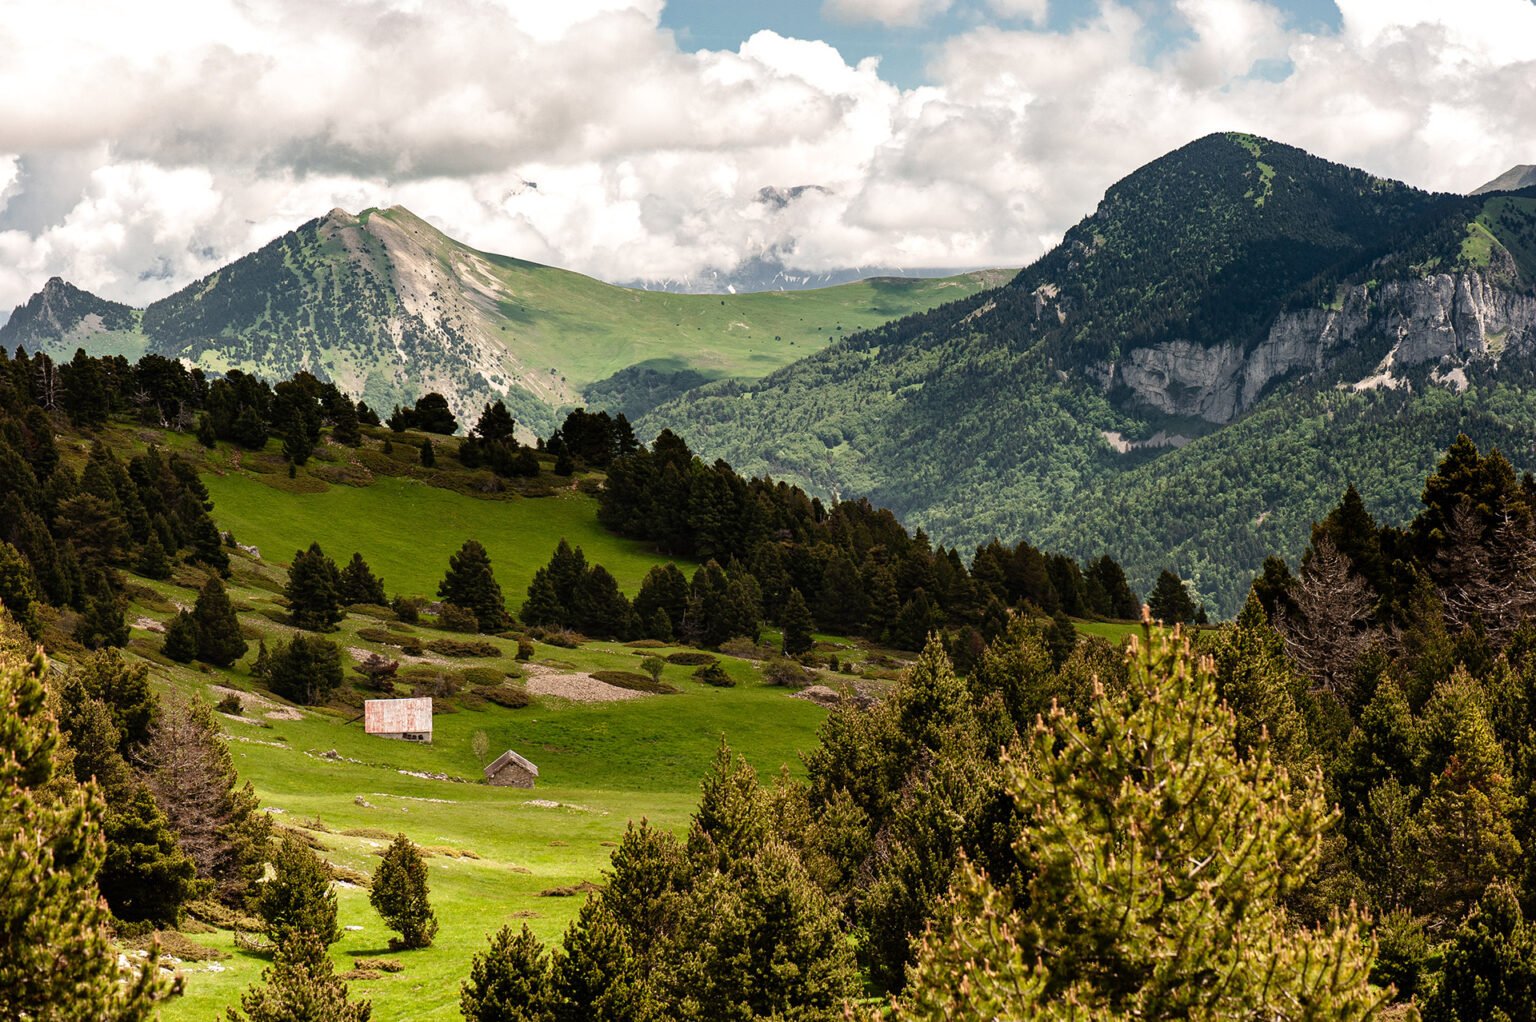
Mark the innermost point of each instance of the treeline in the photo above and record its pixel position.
(856, 568)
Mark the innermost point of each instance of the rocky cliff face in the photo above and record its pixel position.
(1468, 314)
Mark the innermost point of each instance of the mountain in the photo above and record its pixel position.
(389, 307)
(1195, 373)
(770, 272)
(1515, 178)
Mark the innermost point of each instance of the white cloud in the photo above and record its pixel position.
(899, 13)
(146, 151)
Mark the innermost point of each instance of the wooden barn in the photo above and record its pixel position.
(511, 770)
(408, 719)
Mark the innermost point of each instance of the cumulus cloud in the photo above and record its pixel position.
(901, 13)
(139, 153)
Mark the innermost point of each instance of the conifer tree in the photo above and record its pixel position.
(543, 606)
(181, 638)
(595, 976)
(495, 423)
(19, 590)
(56, 955)
(1190, 852)
(297, 445)
(1255, 679)
(509, 981)
(205, 431)
(1490, 964)
(313, 581)
(306, 669)
(470, 583)
(344, 426)
(219, 641)
(102, 625)
(1170, 602)
(216, 819)
(298, 898)
(400, 894)
(598, 608)
(797, 625)
(300, 986)
(152, 559)
(428, 456)
(358, 583)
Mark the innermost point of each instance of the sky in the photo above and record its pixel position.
(142, 146)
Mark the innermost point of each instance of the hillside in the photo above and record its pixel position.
(388, 308)
(1233, 279)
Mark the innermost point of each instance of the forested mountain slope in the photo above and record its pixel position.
(388, 308)
(1161, 385)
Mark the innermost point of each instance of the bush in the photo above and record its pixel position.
(784, 671)
(463, 648)
(454, 618)
(745, 648)
(524, 649)
(482, 677)
(714, 674)
(562, 637)
(513, 697)
(689, 658)
(646, 644)
(407, 608)
(231, 704)
(634, 682)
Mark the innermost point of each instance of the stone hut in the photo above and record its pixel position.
(408, 719)
(512, 770)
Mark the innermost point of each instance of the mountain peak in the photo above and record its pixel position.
(62, 310)
(1522, 175)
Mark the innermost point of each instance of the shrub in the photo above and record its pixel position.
(634, 682)
(690, 658)
(714, 674)
(462, 648)
(513, 697)
(524, 649)
(407, 608)
(482, 677)
(745, 648)
(457, 619)
(784, 671)
(231, 704)
(562, 637)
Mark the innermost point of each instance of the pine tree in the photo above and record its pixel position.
(152, 560)
(432, 415)
(181, 638)
(19, 590)
(205, 432)
(797, 625)
(1170, 602)
(731, 822)
(306, 669)
(1490, 964)
(313, 581)
(543, 606)
(598, 608)
(145, 877)
(300, 986)
(216, 819)
(470, 583)
(56, 955)
(1189, 852)
(297, 446)
(508, 982)
(358, 584)
(399, 894)
(102, 625)
(219, 641)
(495, 423)
(298, 898)
(428, 457)
(595, 976)
(344, 426)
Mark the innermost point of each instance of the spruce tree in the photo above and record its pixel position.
(313, 581)
(57, 960)
(1170, 602)
(495, 423)
(598, 608)
(509, 981)
(300, 986)
(470, 583)
(1191, 851)
(797, 625)
(543, 606)
(219, 641)
(427, 456)
(399, 894)
(181, 638)
(358, 583)
(297, 445)
(298, 898)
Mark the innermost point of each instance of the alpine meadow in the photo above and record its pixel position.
(927, 521)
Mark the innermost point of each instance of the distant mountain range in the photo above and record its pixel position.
(389, 307)
(1192, 376)
(1513, 179)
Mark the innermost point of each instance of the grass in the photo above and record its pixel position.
(406, 530)
(1114, 631)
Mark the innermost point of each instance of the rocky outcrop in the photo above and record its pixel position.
(1441, 316)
